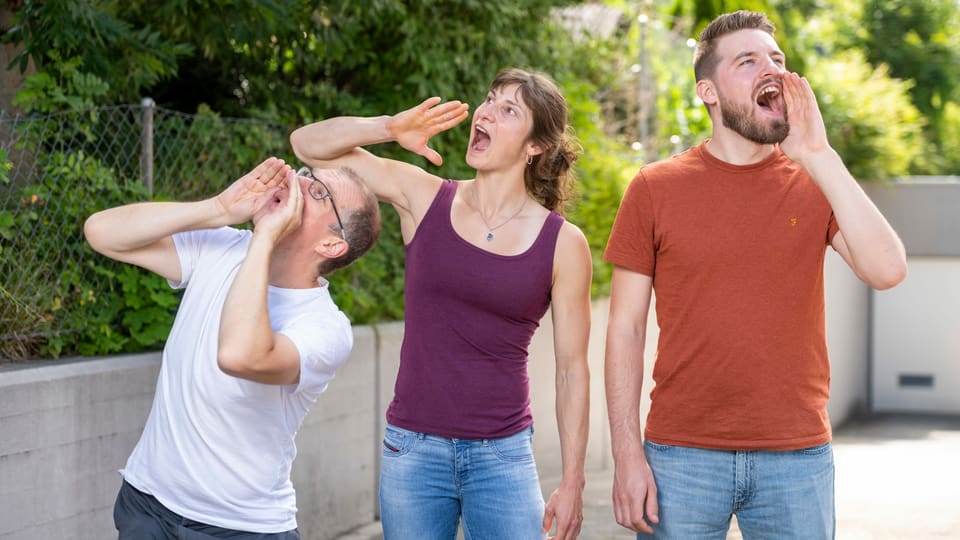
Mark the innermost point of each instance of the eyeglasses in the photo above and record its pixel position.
(319, 191)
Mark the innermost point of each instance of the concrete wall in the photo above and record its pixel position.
(916, 341)
(67, 426)
(916, 337)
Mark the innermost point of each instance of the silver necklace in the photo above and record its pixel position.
(490, 229)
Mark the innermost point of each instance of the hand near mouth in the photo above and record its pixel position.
(413, 127)
(254, 190)
(808, 135)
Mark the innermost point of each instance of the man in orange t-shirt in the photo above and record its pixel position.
(732, 236)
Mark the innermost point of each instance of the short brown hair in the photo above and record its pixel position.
(362, 222)
(705, 57)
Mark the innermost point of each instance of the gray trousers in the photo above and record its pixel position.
(139, 516)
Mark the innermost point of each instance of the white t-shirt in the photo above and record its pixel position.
(218, 449)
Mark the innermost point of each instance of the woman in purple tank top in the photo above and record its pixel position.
(485, 259)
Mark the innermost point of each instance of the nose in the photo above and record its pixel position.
(484, 112)
(772, 68)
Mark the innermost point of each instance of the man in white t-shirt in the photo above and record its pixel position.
(256, 339)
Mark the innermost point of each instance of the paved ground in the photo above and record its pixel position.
(898, 478)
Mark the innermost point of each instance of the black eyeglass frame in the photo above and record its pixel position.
(325, 194)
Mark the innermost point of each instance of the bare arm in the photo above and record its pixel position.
(571, 320)
(337, 142)
(141, 233)
(248, 347)
(634, 491)
(866, 240)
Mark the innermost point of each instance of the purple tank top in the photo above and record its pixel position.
(469, 318)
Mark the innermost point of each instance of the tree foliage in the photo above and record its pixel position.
(288, 63)
(918, 40)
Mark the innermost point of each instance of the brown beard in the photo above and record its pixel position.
(740, 119)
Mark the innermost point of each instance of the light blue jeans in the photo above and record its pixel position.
(775, 495)
(428, 484)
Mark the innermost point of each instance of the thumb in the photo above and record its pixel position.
(432, 155)
(548, 516)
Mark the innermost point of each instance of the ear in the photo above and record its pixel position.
(331, 247)
(535, 149)
(707, 92)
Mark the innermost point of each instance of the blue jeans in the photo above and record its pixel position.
(428, 484)
(779, 495)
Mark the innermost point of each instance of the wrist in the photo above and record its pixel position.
(816, 158)
(385, 127)
(575, 480)
(217, 213)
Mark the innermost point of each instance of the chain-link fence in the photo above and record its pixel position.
(55, 170)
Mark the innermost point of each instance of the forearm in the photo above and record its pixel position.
(127, 228)
(623, 380)
(329, 139)
(245, 335)
(573, 420)
(877, 254)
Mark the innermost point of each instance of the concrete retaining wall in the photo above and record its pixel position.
(67, 426)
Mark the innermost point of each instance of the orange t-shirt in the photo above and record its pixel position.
(736, 255)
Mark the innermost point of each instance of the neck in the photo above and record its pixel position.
(293, 269)
(733, 148)
(497, 192)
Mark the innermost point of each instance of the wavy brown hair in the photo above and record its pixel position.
(550, 177)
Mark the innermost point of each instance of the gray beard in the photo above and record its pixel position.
(740, 120)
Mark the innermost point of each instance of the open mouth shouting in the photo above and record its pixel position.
(480, 139)
(770, 98)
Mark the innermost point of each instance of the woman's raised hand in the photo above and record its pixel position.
(413, 127)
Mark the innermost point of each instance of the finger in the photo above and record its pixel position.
(295, 197)
(277, 172)
(651, 507)
(432, 155)
(265, 164)
(455, 117)
(626, 517)
(547, 523)
(448, 116)
(566, 531)
(790, 94)
(450, 108)
(808, 90)
(429, 102)
(260, 170)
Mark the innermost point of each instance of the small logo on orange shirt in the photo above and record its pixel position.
(793, 222)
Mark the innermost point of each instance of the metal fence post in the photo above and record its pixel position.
(146, 143)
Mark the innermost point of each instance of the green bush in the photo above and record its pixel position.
(75, 312)
(339, 58)
(869, 117)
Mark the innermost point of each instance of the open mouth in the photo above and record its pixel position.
(771, 99)
(480, 140)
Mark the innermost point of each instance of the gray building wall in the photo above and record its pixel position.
(915, 341)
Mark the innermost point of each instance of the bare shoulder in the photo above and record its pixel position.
(572, 238)
(420, 189)
(572, 254)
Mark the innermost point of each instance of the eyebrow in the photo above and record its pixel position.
(507, 98)
(777, 54)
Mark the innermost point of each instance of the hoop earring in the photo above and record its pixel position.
(529, 160)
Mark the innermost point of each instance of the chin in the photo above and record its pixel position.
(472, 159)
